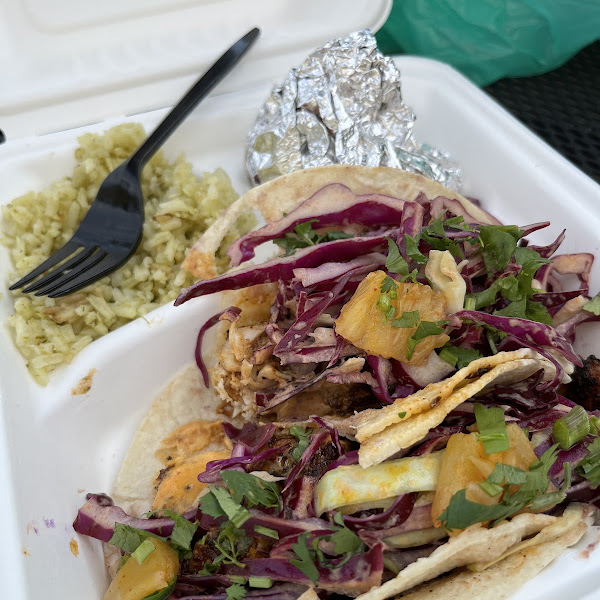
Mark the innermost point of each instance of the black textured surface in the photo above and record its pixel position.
(562, 107)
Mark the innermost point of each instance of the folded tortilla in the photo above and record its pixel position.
(285, 193)
(477, 543)
(385, 431)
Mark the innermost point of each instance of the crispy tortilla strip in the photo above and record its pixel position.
(402, 435)
(476, 543)
(500, 580)
(374, 420)
(573, 514)
(185, 399)
(285, 193)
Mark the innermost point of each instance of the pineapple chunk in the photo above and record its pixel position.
(363, 323)
(135, 581)
(466, 465)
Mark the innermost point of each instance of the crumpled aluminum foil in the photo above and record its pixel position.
(343, 104)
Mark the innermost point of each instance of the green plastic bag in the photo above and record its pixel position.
(490, 39)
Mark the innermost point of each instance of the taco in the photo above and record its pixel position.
(386, 412)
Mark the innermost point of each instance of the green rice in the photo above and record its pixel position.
(179, 206)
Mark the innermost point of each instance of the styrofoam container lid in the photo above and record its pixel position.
(68, 63)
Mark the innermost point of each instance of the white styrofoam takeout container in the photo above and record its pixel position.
(56, 447)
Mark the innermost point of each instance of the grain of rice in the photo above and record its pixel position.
(179, 206)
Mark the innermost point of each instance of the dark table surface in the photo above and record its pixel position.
(562, 107)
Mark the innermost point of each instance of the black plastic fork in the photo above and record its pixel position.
(112, 228)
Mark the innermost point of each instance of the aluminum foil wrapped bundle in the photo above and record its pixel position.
(343, 105)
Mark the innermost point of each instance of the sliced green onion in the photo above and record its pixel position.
(470, 302)
(571, 428)
(240, 517)
(491, 489)
(492, 428)
(144, 550)
(238, 579)
(266, 531)
(594, 425)
(389, 564)
(448, 355)
(260, 582)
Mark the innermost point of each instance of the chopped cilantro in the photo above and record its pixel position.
(461, 512)
(304, 560)
(182, 534)
(389, 286)
(234, 511)
(593, 305)
(407, 319)
(255, 490)
(231, 543)
(457, 356)
(345, 541)
(266, 531)
(412, 250)
(507, 475)
(395, 262)
(402, 414)
(304, 236)
(425, 329)
(303, 438)
(236, 592)
(129, 538)
(492, 429)
(498, 245)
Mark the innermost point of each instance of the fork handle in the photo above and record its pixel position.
(185, 106)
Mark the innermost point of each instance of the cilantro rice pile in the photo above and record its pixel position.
(179, 208)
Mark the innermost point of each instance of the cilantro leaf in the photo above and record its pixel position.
(498, 244)
(254, 489)
(210, 506)
(345, 541)
(183, 531)
(536, 311)
(514, 309)
(425, 329)
(129, 538)
(461, 512)
(593, 305)
(412, 250)
(507, 474)
(492, 429)
(303, 438)
(389, 286)
(395, 262)
(407, 319)
(457, 356)
(236, 592)
(304, 560)
(304, 236)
